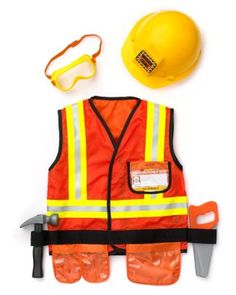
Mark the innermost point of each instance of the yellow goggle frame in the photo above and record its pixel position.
(54, 77)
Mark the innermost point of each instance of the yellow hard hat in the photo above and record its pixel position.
(163, 47)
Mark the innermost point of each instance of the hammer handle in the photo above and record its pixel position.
(37, 262)
(37, 256)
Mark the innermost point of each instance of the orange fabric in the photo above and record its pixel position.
(58, 175)
(95, 262)
(121, 224)
(66, 263)
(115, 113)
(177, 180)
(99, 154)
(178, 185)
(93, 248)
(70, 262)
(98, 159)
(65, 249)
(137, 248)
(153, 264)
(71, 45)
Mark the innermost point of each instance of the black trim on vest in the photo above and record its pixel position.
(60, 141)
(148, 192)
(171, 140)
(103, 122)
(114, 98)
(118, 251)
(116, 145)
(203, 236)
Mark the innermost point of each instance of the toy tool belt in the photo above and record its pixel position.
(203, 236)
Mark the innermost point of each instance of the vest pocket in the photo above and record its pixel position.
(153, 264)
(70, 262)
(95, 263)
(149, 177)
(66, 263)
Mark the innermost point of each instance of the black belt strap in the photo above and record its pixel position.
(203, 236)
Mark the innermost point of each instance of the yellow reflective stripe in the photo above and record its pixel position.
(161, 138)
(149, 131)
(77, 174)
(161, 133)
(149, 135)
(103, 203)
(149, 213)
(83, 154)
(80, 214)
(150, 148)
(156, 213)
(71, 152)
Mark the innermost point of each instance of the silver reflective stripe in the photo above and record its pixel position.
(155, 137)
(77, 150)
(76, 209)
(116, 208)
(155, 132)
(147, 207)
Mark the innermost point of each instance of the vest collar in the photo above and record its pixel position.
(115, 143)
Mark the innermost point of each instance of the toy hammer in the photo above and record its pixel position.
(38, 221)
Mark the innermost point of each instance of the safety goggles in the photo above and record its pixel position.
(56, 76)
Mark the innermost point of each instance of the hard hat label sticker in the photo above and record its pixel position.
(145, 61)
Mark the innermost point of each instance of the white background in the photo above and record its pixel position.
(31, 33)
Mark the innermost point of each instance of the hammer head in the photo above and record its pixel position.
(42, 219)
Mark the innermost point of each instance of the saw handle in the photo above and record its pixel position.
(196, 211)
(38, 256)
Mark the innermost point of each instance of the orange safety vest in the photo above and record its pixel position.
(118, 187)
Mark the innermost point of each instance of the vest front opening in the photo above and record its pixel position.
(114, 113)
